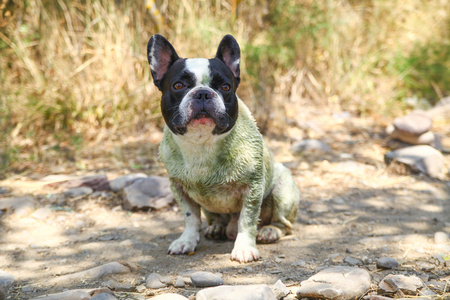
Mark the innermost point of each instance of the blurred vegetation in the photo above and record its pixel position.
(75, 73)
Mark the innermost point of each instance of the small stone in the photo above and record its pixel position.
(6, 279)
(206, 279)
(141, 288)
(352, 261)
(169, 296)
(415, 123)
(437, 286)
(154, 281)
(20, 206)
(424, 159)
(145, 193)
(310, 145)
(241, 292)
(41, 213)
(441, 237)
(280, 290)
(392, 283)
(120, 182)
(78, 192)
(336, 258)
(387, 263)
(336, 283)
(179, 282)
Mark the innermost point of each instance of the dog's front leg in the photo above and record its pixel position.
(190, 237)
(245, 245)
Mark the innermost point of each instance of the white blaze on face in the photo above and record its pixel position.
(200, 68)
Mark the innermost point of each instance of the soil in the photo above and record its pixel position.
(348, 197)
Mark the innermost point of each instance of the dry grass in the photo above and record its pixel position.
(74, 73)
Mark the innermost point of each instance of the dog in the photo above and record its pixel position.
(216, 158)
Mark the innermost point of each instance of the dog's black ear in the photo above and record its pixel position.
(161, 56)
(230, 53)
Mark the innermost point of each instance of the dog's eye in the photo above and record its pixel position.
(225, 87)
(178, 86)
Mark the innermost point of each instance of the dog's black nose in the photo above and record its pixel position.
(203, 95)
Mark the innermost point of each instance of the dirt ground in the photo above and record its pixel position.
(348, 197)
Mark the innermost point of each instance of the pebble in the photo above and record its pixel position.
(170, 296)
(336, 283)
(78, 192)
(154, 281)
(150, 192)
(241, 292)
(179, 282)
(120, 182)
(20, 206)
(280, 290)
(407, 284)
(387, 263)
(423, 158)
(352, 261)
(6, 279)
(206, 279)
(415, 123)
(310, 145)
(41, 213)
(441, 237)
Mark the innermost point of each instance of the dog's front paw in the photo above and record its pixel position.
(245, 250)
(183, 246)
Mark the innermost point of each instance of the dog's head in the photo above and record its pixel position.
(196, 91)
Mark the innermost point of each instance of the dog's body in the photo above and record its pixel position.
(215, 156)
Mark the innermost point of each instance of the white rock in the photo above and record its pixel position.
(170, 297)
(227, 292)
(120, 182)
(206, 279)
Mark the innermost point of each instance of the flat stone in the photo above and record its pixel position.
(154, 281)
(179, 282)
(206, 279)
(20, 206)
(242, 292)
(406, 284)
(170, 296)
(424, 159)
(387, 263)
(426, 138)
(120, 182)
(145, 193)
(78, 192)
(310, 145)
(104, 296)
(6, 279)
(441, 237)
(280, 290)
(352, 261)
(336, 283)
(415, 123)
(437, 286)
(79, 294)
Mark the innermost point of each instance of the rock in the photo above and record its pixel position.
(427, 138)
(437, 286)
(151, 192)
(310, 145)
(179, 282)
(423, 159)
(206, 279)
(20, 206)
(156, 281)
(393, 283)
(120, 182)
(352, 261)
(415, 123)
(41, 213)
(78, 192)
(6, 279)
(441, 237)
(169, 296)
(80, 294)
(280, 290)
(336, 283)
(92, 274)
(104, 296)
(242, 292)
(387, 263)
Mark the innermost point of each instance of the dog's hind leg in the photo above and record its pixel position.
(217, 225)
(279, 209)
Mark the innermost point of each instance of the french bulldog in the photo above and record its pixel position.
(216, 158)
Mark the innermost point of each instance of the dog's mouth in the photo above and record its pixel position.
(202, 118)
